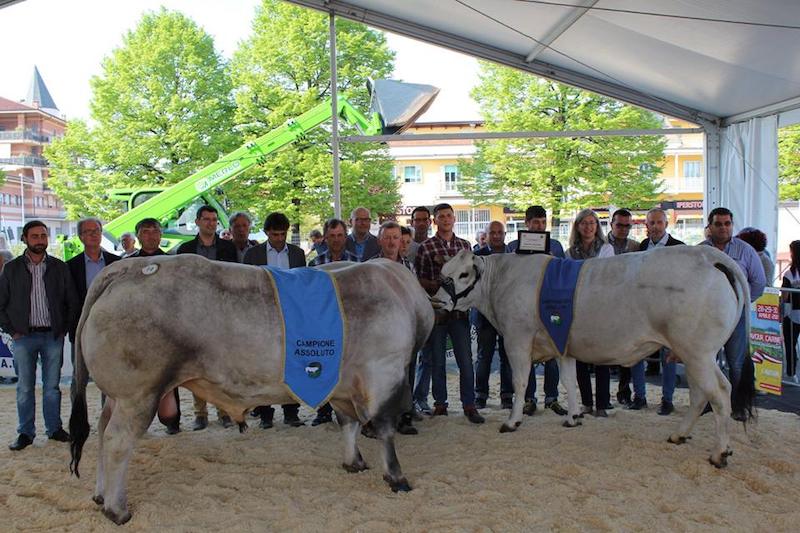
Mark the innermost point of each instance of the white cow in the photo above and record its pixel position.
(688, 299)
(215, 329)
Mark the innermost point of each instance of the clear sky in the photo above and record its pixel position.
(67, 41)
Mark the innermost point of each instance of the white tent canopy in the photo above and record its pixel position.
(712, 62)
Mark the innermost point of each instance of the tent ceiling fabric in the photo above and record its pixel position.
(687, 68)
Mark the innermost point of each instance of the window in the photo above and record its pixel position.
(691, 169)
(412, 174)
(471, 221)
(451, 178)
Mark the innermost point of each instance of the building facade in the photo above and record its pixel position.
(25, 129)
(428, 173)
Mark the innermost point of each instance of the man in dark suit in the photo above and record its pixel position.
(361, 243)
(657, 237)
(277, 252)
(208, 244)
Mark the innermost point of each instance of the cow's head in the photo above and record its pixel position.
(460, 275)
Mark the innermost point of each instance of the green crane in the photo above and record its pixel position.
(395, 106)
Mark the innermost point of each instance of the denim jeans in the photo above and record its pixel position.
(669, 373)
(602, 378)
(458, 330)
(550, 382)
(638, 380)
(422, 380)
(27, 351)
(487, 338)
(737, 347)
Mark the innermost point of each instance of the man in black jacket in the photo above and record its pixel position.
(38, 306)
(208, 244)
(277, 252)
(657, 237)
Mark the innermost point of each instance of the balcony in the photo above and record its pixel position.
(24, 135)
(24, 161)
(683, 184)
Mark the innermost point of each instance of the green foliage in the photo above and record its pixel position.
(789, 163)
(161, 110)
(559, 173)
(281, 71)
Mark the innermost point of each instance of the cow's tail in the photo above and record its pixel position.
(744, 393)
(79, 419)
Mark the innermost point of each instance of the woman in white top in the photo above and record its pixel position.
(791, 322)
(586, 240)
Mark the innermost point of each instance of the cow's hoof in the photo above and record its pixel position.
(508, 429)
(678, 440)
(567, 424)
(117, 518)
(722, 462)
(355, 467)
(98, 499)
(242, 427)
(401, 485)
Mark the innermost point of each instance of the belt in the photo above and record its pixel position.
(40, 330)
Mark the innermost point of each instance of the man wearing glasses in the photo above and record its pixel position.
(360, 242)
(737, 350)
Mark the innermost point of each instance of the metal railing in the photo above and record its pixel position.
(23, 135)
(24, 161)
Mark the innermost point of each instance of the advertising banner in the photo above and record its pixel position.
(766, 341)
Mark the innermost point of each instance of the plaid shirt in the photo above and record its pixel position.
(40, 312)
(326, 258)
(430, 255)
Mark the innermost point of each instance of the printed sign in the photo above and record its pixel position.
(766, 341)
(6, 356)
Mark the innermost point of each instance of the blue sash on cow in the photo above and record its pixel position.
(556, 297)
(314, 332)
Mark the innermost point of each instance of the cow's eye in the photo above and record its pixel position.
(462, 276)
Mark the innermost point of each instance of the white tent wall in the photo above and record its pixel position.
(745, 179)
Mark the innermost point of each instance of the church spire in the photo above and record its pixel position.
(38, 95)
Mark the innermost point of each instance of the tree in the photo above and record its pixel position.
(789, 163)
(162, 109)
(281, 71)
(559, 173)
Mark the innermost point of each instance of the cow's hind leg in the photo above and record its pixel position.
(384, 427)
(569, 378)
(353, 462)
(707, 383)
(105, 415)
(129, 420)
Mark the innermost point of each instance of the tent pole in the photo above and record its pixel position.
(337, 193)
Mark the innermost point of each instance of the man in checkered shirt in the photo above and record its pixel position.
(428, 263)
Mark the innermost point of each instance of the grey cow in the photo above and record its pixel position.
(688, 298)
(158, 301)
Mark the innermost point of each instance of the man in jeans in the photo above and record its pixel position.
(38, 305)
(430, 258)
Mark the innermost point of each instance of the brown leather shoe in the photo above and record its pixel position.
(474, 416)
(439, 410)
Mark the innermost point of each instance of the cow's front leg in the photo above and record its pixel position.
(520, 372)
(566, 366)
(384, 427)
(129, 420)
(353, 462)
(105, 415)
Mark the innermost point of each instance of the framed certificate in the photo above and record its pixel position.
(533, 242)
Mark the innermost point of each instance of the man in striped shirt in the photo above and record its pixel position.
(38, 306)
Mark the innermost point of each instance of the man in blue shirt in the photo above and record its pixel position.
(536, 220)
(360, 242)
(737, 352)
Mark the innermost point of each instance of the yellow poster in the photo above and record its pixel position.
(766, 341)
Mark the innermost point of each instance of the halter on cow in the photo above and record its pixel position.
(688, 299)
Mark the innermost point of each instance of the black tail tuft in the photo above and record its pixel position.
(744, 395)
(78, 430)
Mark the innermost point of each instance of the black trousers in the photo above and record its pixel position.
(790, 331)
(602, 378)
